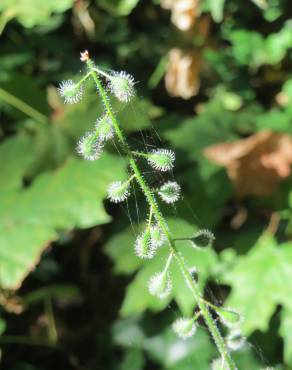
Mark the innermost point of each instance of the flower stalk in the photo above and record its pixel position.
(163, 159)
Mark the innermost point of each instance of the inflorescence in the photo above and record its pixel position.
(156, 233)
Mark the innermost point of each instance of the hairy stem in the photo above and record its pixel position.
(151, 200)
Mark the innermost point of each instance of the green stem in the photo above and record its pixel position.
(79, 83)
(22, 106)
(218, 339)
(22, 339)
(53, 334)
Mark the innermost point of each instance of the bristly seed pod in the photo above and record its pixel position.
(184, 327)
(89, 147)
(71, 92)
(121, 84)
(170, 192)
(235, 340)
(229, 317)
(104, 127)
(161, 159)
(219, 364)
(157, 236)
(160, 285)
(203, 238)
(143, 247)
(118, 191)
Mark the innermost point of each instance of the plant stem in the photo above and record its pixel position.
(218, 339)
(22, 106)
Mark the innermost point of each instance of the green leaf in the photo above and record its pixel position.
(174, 353)
(60, 291)
(217, 8)
(133, 360)
(259, 282)
(286, 333)
(32, 12)
(69, 197)
(15, 158)
(2, 326)
(213, 125)
(118, 7)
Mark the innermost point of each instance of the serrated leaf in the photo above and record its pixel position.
(259, 282)
(69, 197)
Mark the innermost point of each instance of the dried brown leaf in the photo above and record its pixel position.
(257, 164)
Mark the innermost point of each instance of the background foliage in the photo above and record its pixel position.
(215, 85)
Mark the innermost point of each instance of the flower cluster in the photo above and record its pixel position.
(156, 233)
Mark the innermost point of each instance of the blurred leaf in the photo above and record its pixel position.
(2, 326)
(171, 352)
(286, 333)
(118, 7)
(26, 96)
(174, 353)
(256, 164)
(259, 283)
(133, 360)
(212, 125)
(63, 292)
(32, 12)
(216, 8)
(70, 197)
(16, 157)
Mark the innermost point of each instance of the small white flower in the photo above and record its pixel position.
(157, 236)
(71, 92)
(184, 327)
(118, 191)
(104, 127)
(121, 84)
(161, 159)
(170, 192)
(143, 247)
(89, 147)
(219, 364)
(160, 284)
(235, 340)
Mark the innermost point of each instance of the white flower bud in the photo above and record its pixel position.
(157, 236)
(118, 191)
(170, 192)
(203, 238)
(121, 84)
(71, 92)
(184, 327)
(219, 364)
(160, 284)
(89, 147)
(161, 159)
(229, 317)
(143, 247)
(235, 340)
(104, 127)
